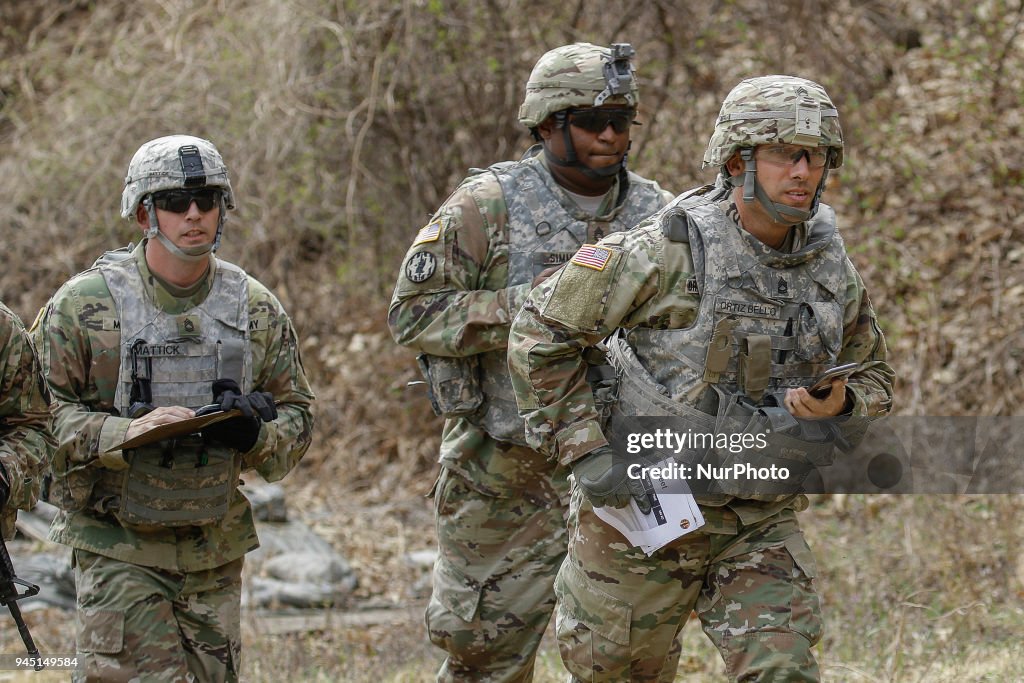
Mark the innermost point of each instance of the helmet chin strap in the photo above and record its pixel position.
(780, 213)
(189, 254)
(223, 214)
(572, 161)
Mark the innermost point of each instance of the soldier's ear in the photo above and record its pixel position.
(142, 217)
(545, 128)
(734, 165)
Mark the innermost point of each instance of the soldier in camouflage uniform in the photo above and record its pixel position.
(500, 505)
(26, 443)
(142, 339)
(726, 303)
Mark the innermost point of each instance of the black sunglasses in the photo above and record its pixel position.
(178, 201)
(596, 120)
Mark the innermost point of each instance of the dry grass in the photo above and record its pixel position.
(915, 589)
(345, 124)
(922, 589)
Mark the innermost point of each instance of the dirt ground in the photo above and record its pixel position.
(913, 588)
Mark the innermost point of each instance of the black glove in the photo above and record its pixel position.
(242, 432)
(227, 394)
(5, 488)
(601, 476)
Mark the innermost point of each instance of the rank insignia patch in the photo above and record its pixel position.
(428, 234)
(188, 326)
(420, 267)
(591, 256)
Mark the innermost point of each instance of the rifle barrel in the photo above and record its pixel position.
(26, 637)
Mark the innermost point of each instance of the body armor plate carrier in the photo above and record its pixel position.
(766, 322)
(173, 360)
(545, 228)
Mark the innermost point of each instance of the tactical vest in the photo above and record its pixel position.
(766, 321)
(176, 482)
(545, 228)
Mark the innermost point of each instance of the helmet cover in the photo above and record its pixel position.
(772, 110)
(174, 162)
(579, 75)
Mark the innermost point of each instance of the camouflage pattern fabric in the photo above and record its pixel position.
(157, 166)
(748, 570)
(534, 206)
(156, 602)
(182, 355)
(456, 298)
(78, 339)
(493, 579)
(619, 611)
(773, 109)
(759, 291)
(572, 76)
(26, 442)
(648, 283)
(770, 110)
(140, 623)
(791, 300)
(185, 353)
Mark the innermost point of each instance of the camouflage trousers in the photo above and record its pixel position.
(620, 611)
(145, 624)
(493, 594)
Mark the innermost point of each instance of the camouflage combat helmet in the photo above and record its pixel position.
(168, 163)
(171, 163)
(773, 110)
(579, 75)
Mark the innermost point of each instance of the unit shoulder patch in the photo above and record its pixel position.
(420, 267)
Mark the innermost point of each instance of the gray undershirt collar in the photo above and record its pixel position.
(591, 205)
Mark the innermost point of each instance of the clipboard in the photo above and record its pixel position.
(180, 428)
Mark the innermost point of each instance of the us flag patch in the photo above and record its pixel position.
(592, 256)
(428, 234)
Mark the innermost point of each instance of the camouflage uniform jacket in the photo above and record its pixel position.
(79, 340)
(483, 253)
(647, 282)
(26, 443)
